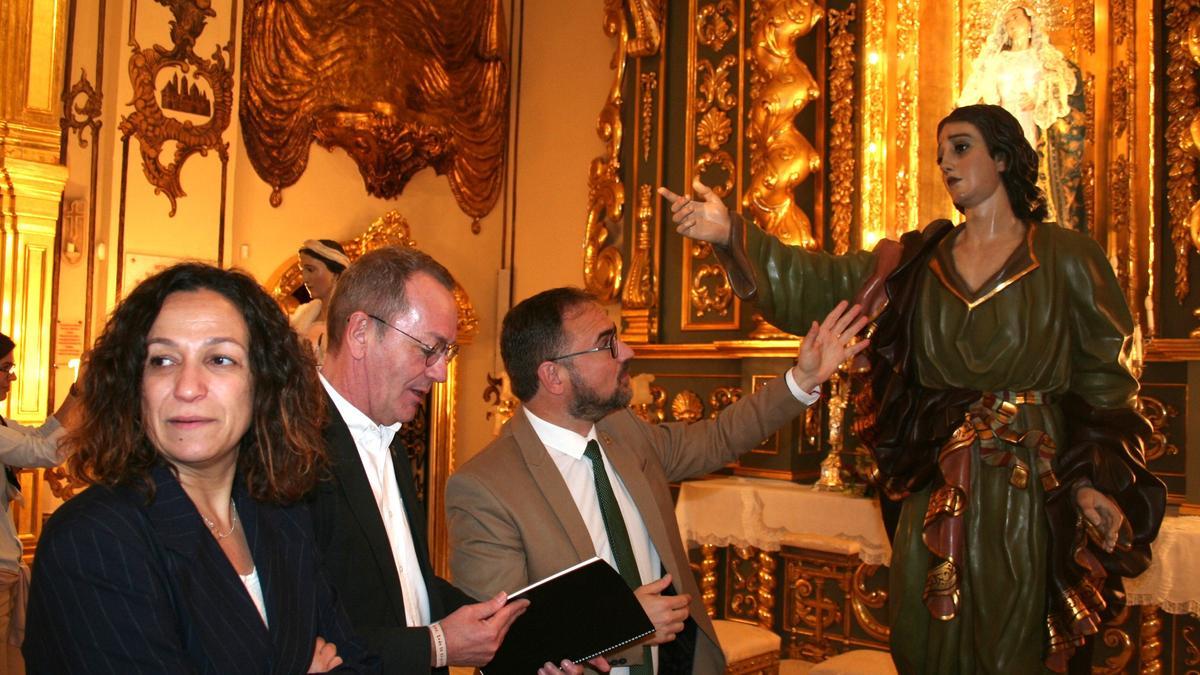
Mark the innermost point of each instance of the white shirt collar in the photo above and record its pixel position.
(558, 438)
(357, 422)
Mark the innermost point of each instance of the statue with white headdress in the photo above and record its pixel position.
(1019, 69)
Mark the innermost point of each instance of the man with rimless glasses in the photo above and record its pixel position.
(575, 474)
(391, 328)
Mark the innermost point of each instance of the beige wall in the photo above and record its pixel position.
(561, 76)
(565, 77)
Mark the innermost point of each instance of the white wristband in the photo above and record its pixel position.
(439, 646)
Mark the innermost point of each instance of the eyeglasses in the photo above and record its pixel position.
(432, 352)
(610, 344)
(9, 369)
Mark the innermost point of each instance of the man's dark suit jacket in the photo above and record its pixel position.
(125, 586)
(358, 557)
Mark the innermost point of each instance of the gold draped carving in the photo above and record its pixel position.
(399, 85)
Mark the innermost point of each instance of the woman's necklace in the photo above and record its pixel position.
(232, 525)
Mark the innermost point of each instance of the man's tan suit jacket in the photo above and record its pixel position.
(512, 520)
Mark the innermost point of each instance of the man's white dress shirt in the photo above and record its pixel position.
(566, 449)
(373, 442)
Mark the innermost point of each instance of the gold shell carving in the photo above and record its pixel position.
(399, 84)
(714, 129)
(686, 406)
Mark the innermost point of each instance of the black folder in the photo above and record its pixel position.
(581, 612)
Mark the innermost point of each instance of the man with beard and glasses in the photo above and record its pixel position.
(575, 474)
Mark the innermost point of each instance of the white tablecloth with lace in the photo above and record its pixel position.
(759, 512)
(1171, 582)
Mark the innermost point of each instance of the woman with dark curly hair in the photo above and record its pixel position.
(1000, 407)
(200, 426)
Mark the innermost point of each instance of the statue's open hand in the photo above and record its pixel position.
(704, 218)
(827, 345)
(1102, 514)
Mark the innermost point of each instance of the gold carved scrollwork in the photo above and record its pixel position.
(210, 96)
(1122, 83)
(653, 412)
(645, 38)
(1121, 13)
(710, 291)
(1085, 31)
(780, 87)
(1115, 637)
(1159, 415)
(1119, 193)
(328, 71)
(714, 85)
(748, 585)
(639, 35)
(1192, 658)
(841, 127)
(649, 84)
(1089, 164)
(82, 107)
(639, 300)
(725, 161)
(1183, 123)
(687, 407)
(716, 24)
(721, 398)
(906, 140)
(862, 601)
(810, 610)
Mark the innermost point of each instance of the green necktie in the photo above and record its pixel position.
(618, 537)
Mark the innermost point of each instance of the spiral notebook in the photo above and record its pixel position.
(581, 612)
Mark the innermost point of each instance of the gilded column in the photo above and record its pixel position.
(31, 184)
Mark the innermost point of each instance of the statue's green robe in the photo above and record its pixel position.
(1053, 320)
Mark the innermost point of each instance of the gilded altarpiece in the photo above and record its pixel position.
(817, 122)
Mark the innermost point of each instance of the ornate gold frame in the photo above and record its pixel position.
(391, 229)
(151, 126)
